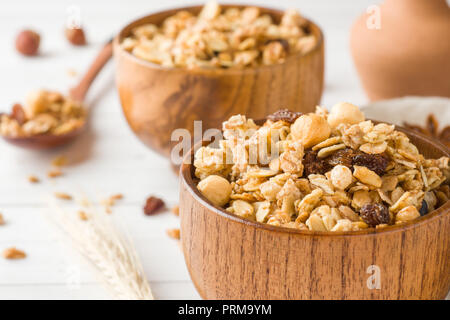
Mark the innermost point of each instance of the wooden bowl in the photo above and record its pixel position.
(157, 100)
(232, 258)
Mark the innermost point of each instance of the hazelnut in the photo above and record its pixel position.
(341, 177)
(216, 189)
(76, 36)
(345, 113)
(27, 42)
(310, 129)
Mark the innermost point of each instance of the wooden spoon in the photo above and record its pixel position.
(77, 93)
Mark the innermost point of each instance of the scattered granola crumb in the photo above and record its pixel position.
(176, 210)
(153, 205)
(107, 202)
(2, 220)
(63, 196)
(13, 253)
(174, 233)
(110, 201)
(84, 202)
(117, 196)
(33, 179)
(54, 173)
(59, 161)
(82, 215)
(72, 72)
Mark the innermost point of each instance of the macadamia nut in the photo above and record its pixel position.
(216, 189)
(310, 129)
(345, 113)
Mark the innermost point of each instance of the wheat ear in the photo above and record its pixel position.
(111, 253)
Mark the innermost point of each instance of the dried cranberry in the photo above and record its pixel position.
(374, 214)
(284, 115)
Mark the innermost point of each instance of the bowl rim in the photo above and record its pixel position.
(213, 71)
(187, 180)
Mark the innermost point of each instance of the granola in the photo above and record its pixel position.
(82, 215)
(33, 179)
(13, 254)
(62, 195)
(321, 171)
(45, 112)
(174, 233)
(54, 173)
(221, 38)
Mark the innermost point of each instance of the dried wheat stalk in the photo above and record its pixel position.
(110, 252)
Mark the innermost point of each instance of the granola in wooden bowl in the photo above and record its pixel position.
(320, 171)
(221, 38)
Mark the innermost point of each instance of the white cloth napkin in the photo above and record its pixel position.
(413, 110)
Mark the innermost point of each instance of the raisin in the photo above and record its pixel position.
(375, 162)
(284, 115)
(374, 214)
(424, 208)
(346, 157)
(153, 205)
(313, 165)
(341, 157)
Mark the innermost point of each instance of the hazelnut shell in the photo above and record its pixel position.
(27, 42)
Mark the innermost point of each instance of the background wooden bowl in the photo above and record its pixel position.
(231, 258)
(157, 100)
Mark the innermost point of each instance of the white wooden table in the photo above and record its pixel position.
(109, 159)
